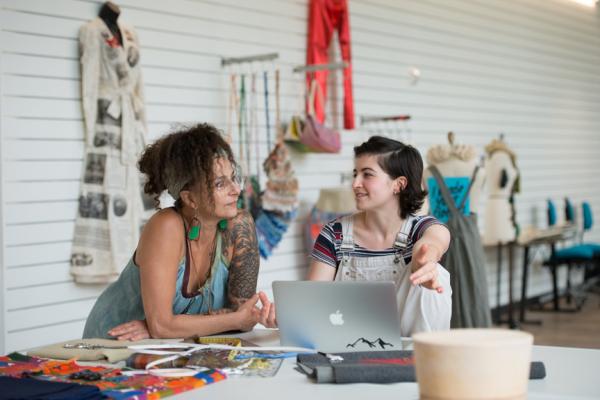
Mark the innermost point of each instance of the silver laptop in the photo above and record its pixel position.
(337, 316)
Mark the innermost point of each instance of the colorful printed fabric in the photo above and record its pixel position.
(111, 381)
(315, 222)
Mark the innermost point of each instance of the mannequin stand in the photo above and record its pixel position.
(510, 320)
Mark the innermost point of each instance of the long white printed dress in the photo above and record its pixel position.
(111, 206)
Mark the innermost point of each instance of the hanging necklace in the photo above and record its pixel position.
(211, 259)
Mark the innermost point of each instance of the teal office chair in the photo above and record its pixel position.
(588, 222)
(577, 255)
(592, 273)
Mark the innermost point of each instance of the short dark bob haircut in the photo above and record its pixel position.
(398, 159)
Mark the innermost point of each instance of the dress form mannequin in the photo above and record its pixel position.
(453, 178)
(111, 205)
(501, 178)
(455, 161)
(500, 222)
(109, 13)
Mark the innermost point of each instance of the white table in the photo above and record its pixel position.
(572, 374)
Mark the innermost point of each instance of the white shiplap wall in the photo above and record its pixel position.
(528, 68)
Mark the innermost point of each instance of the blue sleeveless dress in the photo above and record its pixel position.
(122, 300)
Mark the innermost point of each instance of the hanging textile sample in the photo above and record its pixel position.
(325, 17)
(274, 208)
(111, 206)
(280, 197)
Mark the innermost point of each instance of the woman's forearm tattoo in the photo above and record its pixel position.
(243, 269)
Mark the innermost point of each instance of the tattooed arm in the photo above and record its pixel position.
(243, 268)
(240, 247)
(240, 241)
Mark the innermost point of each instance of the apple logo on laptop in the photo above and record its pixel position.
(336, 318)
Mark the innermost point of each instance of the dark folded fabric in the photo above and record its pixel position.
(33, 389)
(373, 367)
(373, 373)
(538, 370)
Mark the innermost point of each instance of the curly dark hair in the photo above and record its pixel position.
(398, 159)
(185, 157)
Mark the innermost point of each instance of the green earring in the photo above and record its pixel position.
(240, 203)
(194, 231)
(223, 224)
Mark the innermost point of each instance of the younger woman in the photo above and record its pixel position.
(385, 240)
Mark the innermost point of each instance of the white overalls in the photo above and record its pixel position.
(420, 309)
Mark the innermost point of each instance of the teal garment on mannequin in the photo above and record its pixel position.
(122, 300)
(458, 189)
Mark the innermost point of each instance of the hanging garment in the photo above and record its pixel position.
(420, 309)
(325, 17)
(465, 262)
(111, 204)
(122, 300)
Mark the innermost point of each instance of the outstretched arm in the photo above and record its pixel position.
(427, 251)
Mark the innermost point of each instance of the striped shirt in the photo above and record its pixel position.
(327, 247)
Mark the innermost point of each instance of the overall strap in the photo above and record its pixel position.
(347, 233)
(402, 237)
(347, 246)
(443, 189)
(464, 200)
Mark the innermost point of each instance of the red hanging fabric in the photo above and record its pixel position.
(325, 17)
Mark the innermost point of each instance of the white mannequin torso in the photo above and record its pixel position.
(499, 227)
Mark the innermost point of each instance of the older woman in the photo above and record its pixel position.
(196, 265)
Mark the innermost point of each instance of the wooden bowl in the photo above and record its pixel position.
(473, 364)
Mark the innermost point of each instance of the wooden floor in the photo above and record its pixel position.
(578, 329)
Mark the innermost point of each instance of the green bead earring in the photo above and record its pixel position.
(194, 231)
(222, 224)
